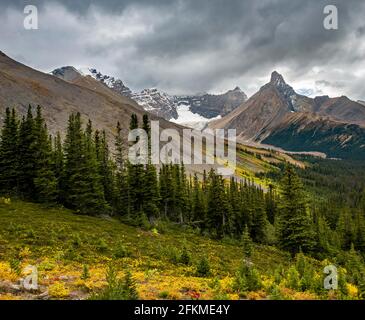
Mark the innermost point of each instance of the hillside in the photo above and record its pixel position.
(21, 86)
(305, 132)
(61, 243)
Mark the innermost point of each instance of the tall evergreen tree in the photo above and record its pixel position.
(9, 153)
(218, 210)
(270, 204)
(259, 220)
(84, 191)
(133, 122)
(198, 204)
(247, 243)
(45, 182)
(150, 192)
(121, 194)
(104, 166)
(27, 156)
(58, 165)
(295, 229)
(346, 229)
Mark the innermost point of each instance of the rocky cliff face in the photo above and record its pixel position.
(211, 106)
(157, 102)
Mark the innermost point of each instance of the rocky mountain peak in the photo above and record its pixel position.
(111, 82)
(157, 102)
(237, 89)
(67, 73)
(286, 91)
(277, 79)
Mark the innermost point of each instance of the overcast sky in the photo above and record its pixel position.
(188, 46)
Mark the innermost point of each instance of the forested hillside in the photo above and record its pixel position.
(80, 175)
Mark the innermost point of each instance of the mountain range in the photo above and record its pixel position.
(277, 115)
(161, 103)
(65, 93)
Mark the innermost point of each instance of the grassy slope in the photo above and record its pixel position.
(60, 243)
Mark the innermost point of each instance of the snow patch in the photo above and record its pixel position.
(190, 119)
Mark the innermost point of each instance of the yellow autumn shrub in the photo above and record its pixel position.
(58, 290)
(6, 273)
(352, 290)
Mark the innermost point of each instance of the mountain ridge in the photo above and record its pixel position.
(159, 102)
(264, 115)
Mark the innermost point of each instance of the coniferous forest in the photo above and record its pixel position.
(313, 219)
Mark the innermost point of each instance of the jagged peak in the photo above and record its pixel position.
(66, 73)
(65, 68)
(277, 78)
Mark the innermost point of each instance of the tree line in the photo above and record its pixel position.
(81, 173)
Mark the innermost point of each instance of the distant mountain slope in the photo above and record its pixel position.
(59, 96)
(277, 115)
(211, 106)
(263, 110)
(342, 109)
(306, 132)
(158, 102)
(113, 83)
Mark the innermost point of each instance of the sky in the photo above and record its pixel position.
(190, 46)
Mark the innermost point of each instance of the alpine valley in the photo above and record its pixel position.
(79, 220)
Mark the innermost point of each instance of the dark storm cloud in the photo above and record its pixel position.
(197, 45)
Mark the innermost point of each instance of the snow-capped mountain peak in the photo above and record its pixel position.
(67, 73)
(193, 110)
(113, 83)
(158, 102)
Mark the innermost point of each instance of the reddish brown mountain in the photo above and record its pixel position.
(21, 85)
(324, 123)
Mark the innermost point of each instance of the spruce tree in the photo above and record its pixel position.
(104, 166)
(270, 204)
(119, 149)
(121, 193)
(346, 229)
(27, 157)
(247, 243)
(218, 210)
(84, 191)
(235, 201)
(45, 182)
(133, 122)
(359, 231)
(135, 180)
(198, 204)
(150, 192)
(9, 154)
(58, 165)
(295, 229)
(259, 220)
